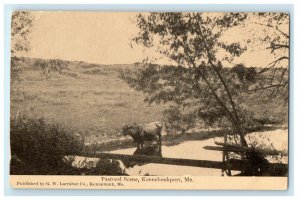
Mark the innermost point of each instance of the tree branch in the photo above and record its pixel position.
(274, 46)
(272, 64)
(236, 119)
(276, 28)
(268, 87)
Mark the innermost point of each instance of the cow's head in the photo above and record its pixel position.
(128, 130)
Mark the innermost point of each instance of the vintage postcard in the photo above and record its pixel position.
(149, 100)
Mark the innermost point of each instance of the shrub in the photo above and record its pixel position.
(38, 147)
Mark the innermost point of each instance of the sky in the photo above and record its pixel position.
(103, 37)
(92, 37)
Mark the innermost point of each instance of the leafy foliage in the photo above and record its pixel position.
(271, 32)
(199, 83)
(21, 23)
(17, 66)
(192, 40)
(189, 37)
(179, 119)
(190, 102)
(41, 146)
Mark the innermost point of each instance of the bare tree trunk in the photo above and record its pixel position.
(240, 132)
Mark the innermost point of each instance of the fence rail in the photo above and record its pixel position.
(238, 165)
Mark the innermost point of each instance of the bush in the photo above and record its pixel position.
(38, 147)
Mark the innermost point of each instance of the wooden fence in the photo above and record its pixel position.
(232, 164)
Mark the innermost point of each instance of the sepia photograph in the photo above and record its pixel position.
(140, 99)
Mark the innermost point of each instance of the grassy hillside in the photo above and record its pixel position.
(88, 97)
(95, 101)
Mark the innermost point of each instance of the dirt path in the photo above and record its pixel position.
(194, 150)
(277, 139)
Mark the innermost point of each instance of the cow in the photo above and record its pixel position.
(144, 132)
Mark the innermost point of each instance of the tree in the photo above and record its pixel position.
(271, 32)
(21, 23)
(199, 83)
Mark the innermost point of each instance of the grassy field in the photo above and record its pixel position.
(89, 98)
(93, 100)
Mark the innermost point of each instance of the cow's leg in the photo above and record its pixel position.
(138, 146)
(142, 139)
(159, 143)
(159, 130)
(141, 144)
